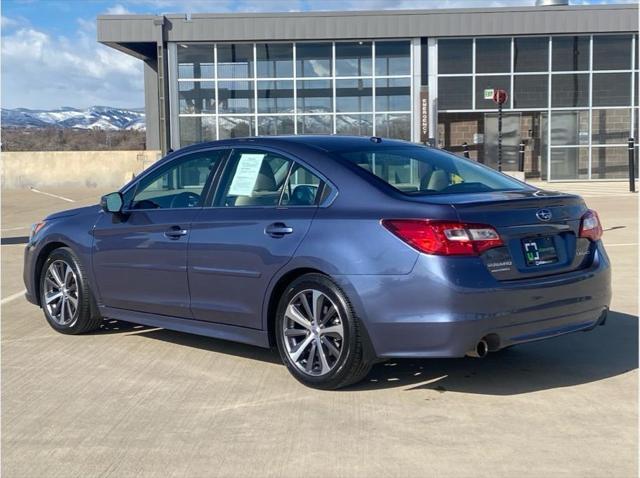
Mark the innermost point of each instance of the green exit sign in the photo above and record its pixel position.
(488, 94)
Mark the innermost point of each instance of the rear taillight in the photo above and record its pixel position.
(444, 238)
(590, 227)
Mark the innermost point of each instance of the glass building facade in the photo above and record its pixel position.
(227, 90)
(573, 101)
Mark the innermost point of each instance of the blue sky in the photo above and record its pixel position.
(50, 57)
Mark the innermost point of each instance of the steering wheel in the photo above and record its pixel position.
(185, 199)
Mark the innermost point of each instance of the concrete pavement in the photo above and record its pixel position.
(135, 401)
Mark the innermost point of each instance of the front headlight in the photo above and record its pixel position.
(35, 228)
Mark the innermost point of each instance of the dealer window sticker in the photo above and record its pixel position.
(244, 180)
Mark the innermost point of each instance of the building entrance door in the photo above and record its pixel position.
(510, 140)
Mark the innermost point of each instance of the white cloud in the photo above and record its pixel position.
(42, 71)
(225, 6)
(222, 6)
(117, 9)
(8, 23)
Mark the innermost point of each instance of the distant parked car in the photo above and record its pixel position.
(339, 250)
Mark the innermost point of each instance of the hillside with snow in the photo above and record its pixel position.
(96, 117)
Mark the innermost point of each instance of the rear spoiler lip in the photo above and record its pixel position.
(521, 203)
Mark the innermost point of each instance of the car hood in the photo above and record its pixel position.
(73, 212)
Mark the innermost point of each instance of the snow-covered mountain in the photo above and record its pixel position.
(96, 117)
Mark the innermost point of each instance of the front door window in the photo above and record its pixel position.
(179, 185)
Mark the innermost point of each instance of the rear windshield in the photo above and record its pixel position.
(420, 170)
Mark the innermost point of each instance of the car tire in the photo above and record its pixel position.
(65, 296)
(325, 346)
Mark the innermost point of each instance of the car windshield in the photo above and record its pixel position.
(419, 170)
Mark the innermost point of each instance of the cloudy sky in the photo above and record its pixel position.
(50, 57)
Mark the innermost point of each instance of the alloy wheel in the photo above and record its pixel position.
(61, 293)
(313, 332)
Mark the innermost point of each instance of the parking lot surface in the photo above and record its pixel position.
(134, 401)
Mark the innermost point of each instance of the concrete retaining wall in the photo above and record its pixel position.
(92, 169)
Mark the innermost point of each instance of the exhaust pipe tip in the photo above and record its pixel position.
(481, 350)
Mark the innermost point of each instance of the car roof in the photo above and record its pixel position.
(319, 142)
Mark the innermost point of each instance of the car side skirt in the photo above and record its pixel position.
(244, 335)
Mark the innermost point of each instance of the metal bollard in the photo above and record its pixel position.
(465, 149)
(521, 157)
(632, 166)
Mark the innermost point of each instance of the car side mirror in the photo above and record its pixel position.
(112, 203)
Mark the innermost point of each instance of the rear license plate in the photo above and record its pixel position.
(539, 251)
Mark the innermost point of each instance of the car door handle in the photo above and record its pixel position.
(278, 229)
(175, 232)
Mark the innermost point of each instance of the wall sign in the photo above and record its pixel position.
(424, 114)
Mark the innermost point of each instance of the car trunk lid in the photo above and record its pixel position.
(540, 230)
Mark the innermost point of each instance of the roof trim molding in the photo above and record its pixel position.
(372, 24)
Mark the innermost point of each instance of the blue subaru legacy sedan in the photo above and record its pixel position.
(340, 251)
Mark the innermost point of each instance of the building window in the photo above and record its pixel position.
(313, 60)
(571, 119)
(197, 129)
(530, 91)
(569, 128)
(235, 61)
(236, 96)
(273, 125)
(355, 125)
(196, 97)
(353, 59)
(393, 58)
(354, 95)
(293, 88)
(569, 163)
(274, 60)
(612, 52)
(315, 96)
(455, 56)
(275, 96)
(487, 82)
(611, 89)
(570, 90)
(531, 54)
(394, 125)
(315, 124)
(610, 126)
(493, 55)
(236, 126)
(609, 163)
(195, 61)
(455, 93)
(570, 53)
(393, 94)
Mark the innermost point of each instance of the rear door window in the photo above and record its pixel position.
(302, 188)
(257, 178)
(254, 178)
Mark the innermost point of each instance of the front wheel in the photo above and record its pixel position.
(65, 295)
(320, 339)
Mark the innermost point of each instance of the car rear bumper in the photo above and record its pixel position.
(440, 311)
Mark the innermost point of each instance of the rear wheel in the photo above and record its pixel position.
(65, 296)
(320, 339)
